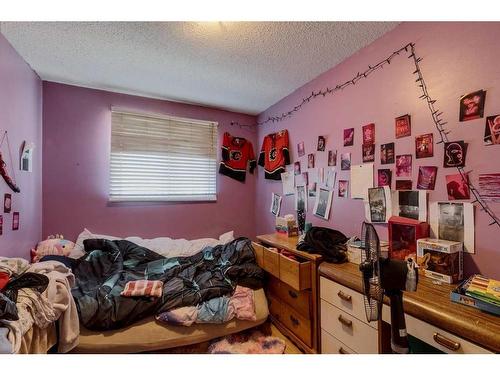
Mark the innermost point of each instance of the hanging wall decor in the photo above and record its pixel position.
(457, 188)
(26, 162)
(368, 134)
(403, 126)
(345, 161)
(387, 153)
(7, 203)
(424, 146)
(332, 158)
(348, 137)
(310, 161)
(11, 181)
(384, 177)
(472, 105)
(403, 165)
(321, 143)
(426, 178)
(435, 113)
(454, 154)
(492, 130)
(15, 221)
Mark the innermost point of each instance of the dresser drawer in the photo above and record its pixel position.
(300, 300)
(274, 306)
(356, 334)
(438, 338)
(295, 273)
(259, 254)
(296, 323)
(345, 299)
(271, 261)
(330, 345)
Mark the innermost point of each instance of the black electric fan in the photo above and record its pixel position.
(390, 277)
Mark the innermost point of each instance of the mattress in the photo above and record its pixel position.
(149, 335)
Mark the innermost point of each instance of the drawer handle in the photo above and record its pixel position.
(446, 342)
(344, 321)
(292, 294)
(342, 351)
(345, 297)
(294, 320)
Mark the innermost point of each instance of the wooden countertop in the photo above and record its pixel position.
(430, 303)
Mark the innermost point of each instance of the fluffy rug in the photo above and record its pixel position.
(248, 343)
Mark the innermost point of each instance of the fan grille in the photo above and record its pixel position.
(373, 292)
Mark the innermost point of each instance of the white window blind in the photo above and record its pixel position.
(159, 158)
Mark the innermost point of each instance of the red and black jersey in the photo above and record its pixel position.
(274, 154)
(237, 152)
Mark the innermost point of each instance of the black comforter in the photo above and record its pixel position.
(102, 274)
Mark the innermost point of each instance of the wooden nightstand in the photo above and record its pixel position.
(292, 289)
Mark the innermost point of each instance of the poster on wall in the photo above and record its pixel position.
(361, 180)
(323, 203)
(378, 208)
(472, 105)
(331, 176)
(311, 188)
(301, 198)
(403, 126)
(387, 153)
(321, 143)
(411, 204)
(301, 150)
(310, 161)
(275, 204)
(296, 168)
(368, 134)
(321, 175)
(456, 187)
(424, 146)
(489, 185)
(343, 188)
(15, 221)
(288, 181)
(454, 154)
(332, 158)
(492, 130)
(348, 137)
(7, 203)
(426, 178)
(403, 184)
(403, 165)
(305, 178)
(368, 153)
(453, 221)
(384, 177)
(345, 161)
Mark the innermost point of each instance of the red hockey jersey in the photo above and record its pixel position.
(274, 154)
(237, 152)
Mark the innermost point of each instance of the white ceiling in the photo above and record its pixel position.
(240, 66)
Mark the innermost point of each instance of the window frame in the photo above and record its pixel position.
(207, 198)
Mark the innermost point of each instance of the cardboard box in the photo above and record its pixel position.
(440, 259)
(458, 295)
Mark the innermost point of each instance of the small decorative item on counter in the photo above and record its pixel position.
(403, 236)
(440, 259)
(287, 226)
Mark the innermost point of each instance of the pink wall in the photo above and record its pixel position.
(21, 116)
(457, 58)
(77, 129)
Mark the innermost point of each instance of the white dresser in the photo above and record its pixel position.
(344, 328)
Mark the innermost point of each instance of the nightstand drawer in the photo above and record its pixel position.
(357, 335)
(345, 299)
(330, 345)
(295, 322)
(271, 261)
(295, 273)
(300, 300)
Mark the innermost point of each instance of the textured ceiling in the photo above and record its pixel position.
(240, 66)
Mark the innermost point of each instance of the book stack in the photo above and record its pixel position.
(480, 292)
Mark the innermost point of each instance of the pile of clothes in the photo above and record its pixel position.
(36, 294)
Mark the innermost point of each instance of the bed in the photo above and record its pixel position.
(149, 335)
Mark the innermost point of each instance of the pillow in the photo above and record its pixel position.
(143, 288)
(79, 250)
(53, 245)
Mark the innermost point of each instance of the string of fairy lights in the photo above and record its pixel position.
(436, 114)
